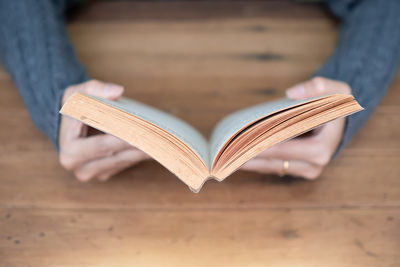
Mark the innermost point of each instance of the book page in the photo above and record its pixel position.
(177, 127)
(235, 122)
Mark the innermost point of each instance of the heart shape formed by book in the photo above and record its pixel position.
(236, 139)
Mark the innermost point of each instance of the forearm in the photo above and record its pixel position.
(36, 51)
(366, 56)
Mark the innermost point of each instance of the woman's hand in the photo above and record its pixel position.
(308, 154)
(97, 156)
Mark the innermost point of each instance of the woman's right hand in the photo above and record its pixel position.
(97, 156)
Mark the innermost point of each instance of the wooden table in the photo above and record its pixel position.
(200, 61)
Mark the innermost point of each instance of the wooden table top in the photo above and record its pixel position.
(200, 61)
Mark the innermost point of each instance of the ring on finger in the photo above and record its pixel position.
(285, 168)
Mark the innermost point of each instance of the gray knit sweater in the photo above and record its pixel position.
(36, 51)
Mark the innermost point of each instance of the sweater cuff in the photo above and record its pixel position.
(366, 57)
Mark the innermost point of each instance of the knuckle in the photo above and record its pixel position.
(104, 147)
(92, 86)
(67, 161)
(68, 92)
(318, 153)
(312, 173)
(322, 159)
(318, 83)
(93, 82)
(83, 176)
(346, 88)
(109, 144)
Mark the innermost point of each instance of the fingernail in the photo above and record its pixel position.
(296, 92)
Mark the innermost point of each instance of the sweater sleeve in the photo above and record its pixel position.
(36, 51)
(367, 54)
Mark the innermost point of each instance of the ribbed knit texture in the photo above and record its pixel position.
(367, 54)
(36, 51)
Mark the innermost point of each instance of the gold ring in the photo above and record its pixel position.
(285, 167)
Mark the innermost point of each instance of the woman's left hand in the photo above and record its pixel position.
(307, 155)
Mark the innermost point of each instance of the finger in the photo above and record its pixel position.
(83, 150)
(308, 149)
(71, 129)
(108, 174)
(118, 161)
(317, 86)
(316, 148)
(104, 90)
(275, 166)
(96, 88)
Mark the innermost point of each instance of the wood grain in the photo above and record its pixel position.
(200, 69)
(45, 237)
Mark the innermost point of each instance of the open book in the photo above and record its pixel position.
(185, 152)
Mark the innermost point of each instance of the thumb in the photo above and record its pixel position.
(71, 129)
(317, 86)
(96, 88)
(104, 90)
